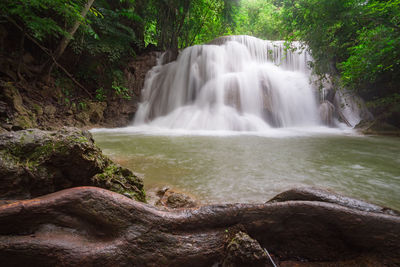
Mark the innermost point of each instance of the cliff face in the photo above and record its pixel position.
(52, 105)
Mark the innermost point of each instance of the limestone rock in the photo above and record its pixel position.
(35, 162)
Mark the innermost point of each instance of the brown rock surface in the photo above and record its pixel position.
(172, 199)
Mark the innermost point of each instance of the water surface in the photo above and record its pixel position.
(250, 168)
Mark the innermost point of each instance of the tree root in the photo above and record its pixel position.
(90, 226)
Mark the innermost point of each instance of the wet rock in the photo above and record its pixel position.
(377, 127)
(327, 113)
(244, 251)
(172, 199)
(350, 108)
(35, 162)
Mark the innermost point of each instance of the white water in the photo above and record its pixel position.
(243, 84)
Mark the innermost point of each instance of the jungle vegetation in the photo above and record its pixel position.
(357, 41)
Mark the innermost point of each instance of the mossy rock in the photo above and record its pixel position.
(377, 127)
(35, 162)
(242, 250)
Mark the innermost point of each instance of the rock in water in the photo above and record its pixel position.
(35, 162)
(172, 199)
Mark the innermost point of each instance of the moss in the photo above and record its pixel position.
(78, 139)
(122, 181)
(63, 159)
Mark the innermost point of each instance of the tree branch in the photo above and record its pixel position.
(44, 49)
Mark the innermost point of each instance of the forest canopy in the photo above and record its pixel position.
(355, 40)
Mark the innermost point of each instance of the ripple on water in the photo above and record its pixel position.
(253, 168)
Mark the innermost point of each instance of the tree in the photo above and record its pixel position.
(259, 18)
(47, 68)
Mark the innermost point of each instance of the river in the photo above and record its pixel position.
(228, 167)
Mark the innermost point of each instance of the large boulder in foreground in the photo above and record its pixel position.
(90, 226)
(35, 163)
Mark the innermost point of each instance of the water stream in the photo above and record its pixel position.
(238, 120)
(250, 168)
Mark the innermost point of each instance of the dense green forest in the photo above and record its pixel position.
(355, 41)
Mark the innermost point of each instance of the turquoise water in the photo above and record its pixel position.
(249, 168)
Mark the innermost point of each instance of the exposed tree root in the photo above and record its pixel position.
(87, 226)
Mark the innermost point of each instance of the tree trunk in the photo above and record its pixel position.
(89, 226)
(47, 68)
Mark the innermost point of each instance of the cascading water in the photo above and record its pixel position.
(237, 83)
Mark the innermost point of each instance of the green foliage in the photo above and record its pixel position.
(100, 94)
(375, 58)
(108, 34)
(118, 85)
(41, 17)
(259, 18)
(357, 39)
(174, 24)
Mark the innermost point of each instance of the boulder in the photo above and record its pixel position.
(35, 162)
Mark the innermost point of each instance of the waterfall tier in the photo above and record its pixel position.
(237, 83)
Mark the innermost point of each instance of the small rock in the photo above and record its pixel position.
(174, 200)
(244, 251)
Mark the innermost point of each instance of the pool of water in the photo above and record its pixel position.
(226, 168)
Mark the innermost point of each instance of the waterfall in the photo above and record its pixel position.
(236, 83)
